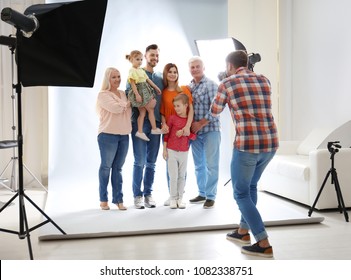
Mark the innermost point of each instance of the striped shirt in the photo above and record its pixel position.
(203, 94)
(248, 96)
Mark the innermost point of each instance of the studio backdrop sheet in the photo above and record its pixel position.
(73, 122)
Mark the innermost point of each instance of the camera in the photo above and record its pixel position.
(253, 59)
(222, 75)
(333, 146)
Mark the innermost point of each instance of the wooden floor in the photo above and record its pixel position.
(329, 240)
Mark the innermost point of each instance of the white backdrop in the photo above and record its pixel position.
(173, 25)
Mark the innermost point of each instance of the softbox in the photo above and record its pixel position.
(65, 48)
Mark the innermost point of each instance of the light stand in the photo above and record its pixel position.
(62, 52)
(24, 230)
(333, 148)
(14, 159)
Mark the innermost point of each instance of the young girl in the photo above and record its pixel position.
(141, 94)
(175, 151)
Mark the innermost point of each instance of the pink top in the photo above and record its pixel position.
(179, 144)
(115, 113)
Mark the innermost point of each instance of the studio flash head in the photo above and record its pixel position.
(28, 24)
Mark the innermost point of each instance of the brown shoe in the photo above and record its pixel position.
(121, 206)
(209, 203)
(104, 206)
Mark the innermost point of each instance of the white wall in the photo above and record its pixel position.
(321, 56)
(254, 23)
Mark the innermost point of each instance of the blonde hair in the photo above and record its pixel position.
(182, 97)
(106, 85)
(133, 54)
(106, 81)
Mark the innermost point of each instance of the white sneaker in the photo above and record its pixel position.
(181, 204)
(149, 202)
(138, 202)
(167, 202)
(156, 131)
(142, 136)
(173, 204)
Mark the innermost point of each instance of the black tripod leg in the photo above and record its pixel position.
(9, 202)
(335, 179)
(341, 203)
(45, 215)
(22, 233)
(319, 193)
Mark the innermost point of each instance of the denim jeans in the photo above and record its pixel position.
(113, 152)
(145, 156)
(205, 151)
(246, 170)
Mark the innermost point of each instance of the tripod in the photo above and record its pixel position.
(14, 158)
(333, 149)
(24, 230)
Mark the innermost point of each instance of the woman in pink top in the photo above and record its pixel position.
(114, 111)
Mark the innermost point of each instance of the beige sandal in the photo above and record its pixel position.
(121, 206)
(104, 206)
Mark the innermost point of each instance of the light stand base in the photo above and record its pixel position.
(13, 182)
(24, 231)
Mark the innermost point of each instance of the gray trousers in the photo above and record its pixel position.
(177, 166)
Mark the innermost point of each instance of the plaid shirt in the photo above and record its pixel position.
(248, 96)
(203, 94)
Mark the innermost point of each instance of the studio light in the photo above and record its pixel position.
(214, 53)
(62, 52)
(28, 24)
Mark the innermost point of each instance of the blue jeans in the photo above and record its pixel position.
(145, 156)
(205, 149)
(246, 170)
(113, 152)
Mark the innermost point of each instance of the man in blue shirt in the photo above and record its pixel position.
(205, 148)
(146, 152)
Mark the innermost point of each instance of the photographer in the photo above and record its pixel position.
(248, 96)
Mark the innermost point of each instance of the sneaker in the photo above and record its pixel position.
(236, 236)
(173, 204)
(138, 202)
(209, 203)
(256, 250)
(142, 136)
(167, 202)
(149, 202)
(181, 204)
(198, 199)
(156, 131)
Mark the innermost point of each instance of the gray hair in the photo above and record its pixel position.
(196, 58)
